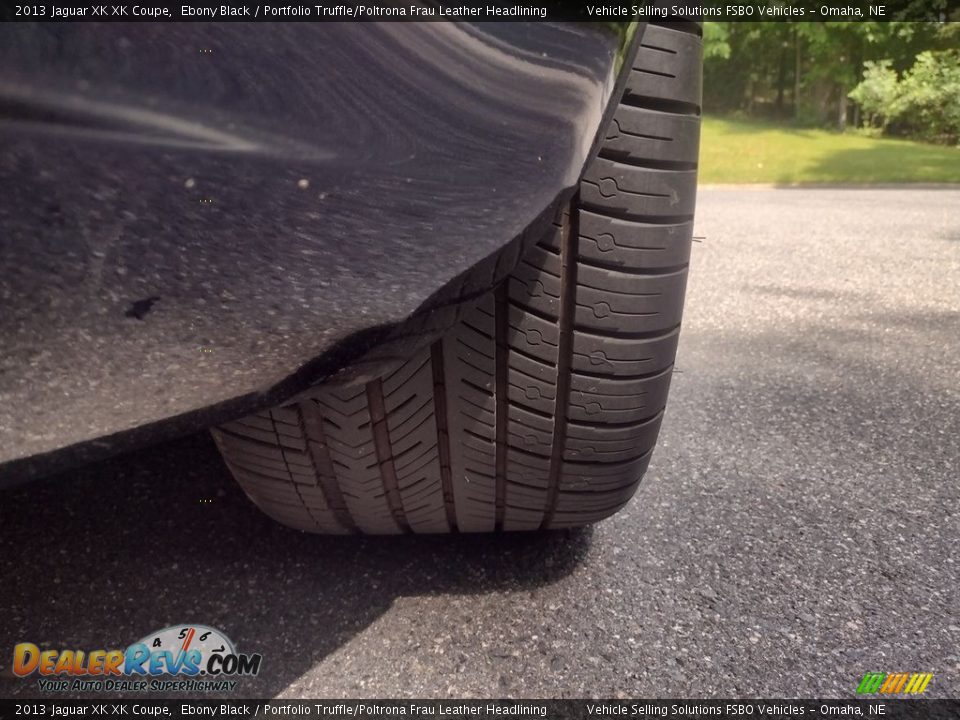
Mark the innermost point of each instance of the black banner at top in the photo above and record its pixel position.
(479, 11)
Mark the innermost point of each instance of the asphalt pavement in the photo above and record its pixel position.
(798, 527)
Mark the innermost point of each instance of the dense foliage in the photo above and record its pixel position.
(894, 77)
(923, 102)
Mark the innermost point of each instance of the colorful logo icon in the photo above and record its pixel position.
(188, 650)
(875, 683)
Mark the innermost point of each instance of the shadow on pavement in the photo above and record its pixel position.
(99, 557)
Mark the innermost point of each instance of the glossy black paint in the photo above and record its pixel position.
(202, 220)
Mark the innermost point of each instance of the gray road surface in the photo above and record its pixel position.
(798, 527)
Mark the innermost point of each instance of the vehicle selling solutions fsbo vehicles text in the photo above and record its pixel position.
(733, 11)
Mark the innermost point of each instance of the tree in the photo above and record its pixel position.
(877, 93)
(808, 69)
(929, 98)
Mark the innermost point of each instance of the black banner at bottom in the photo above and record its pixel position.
(901, 709)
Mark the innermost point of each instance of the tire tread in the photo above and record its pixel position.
(540, 406)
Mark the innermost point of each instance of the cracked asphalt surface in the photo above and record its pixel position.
(798, 525)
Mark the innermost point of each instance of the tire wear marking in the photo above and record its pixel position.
(502, 358)
(443, 432)
(569, 237)
(311, 422)
(384, 451)
(647, 102)
(293, 482)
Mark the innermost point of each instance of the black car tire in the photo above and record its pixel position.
(541, 407)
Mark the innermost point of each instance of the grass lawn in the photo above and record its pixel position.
(735, 151)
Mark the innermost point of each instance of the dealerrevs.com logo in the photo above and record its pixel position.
(186, 658)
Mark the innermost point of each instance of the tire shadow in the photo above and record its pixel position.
(98, 557)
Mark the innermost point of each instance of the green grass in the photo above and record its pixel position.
(735, 151)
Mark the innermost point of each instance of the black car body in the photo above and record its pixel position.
(201, 220)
